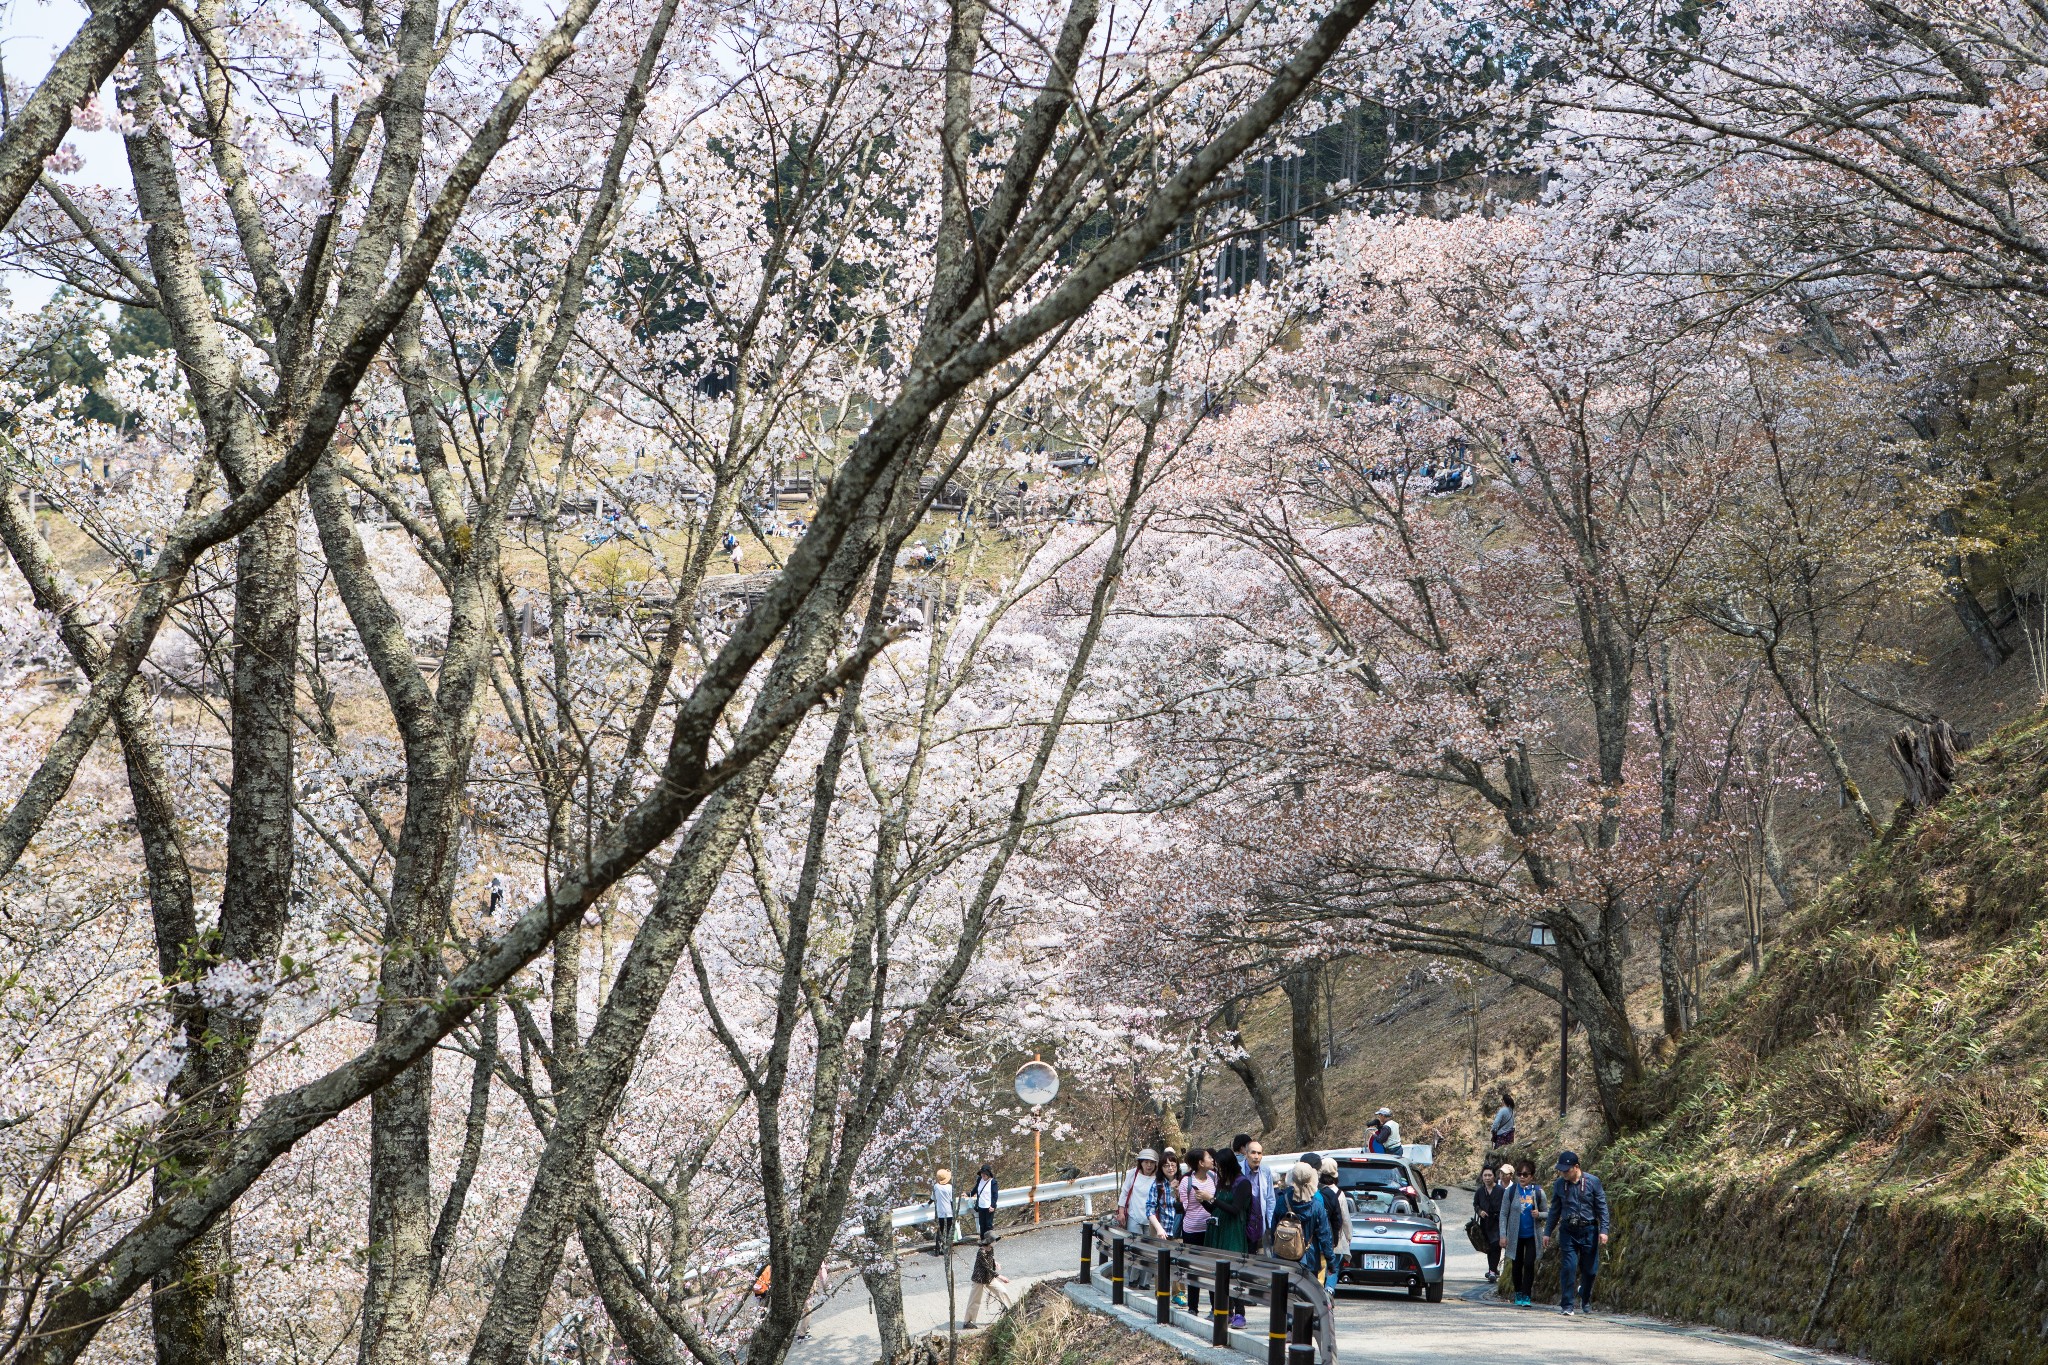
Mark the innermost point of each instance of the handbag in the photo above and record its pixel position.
(1475, 1232)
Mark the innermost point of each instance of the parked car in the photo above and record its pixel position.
(1397, 1229)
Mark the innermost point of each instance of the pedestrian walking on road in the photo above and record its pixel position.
(1579, 1220)
(942, 1212)
(988, 1279)
(1521, 1229)
(1339, 1211)
(1301, 1229)
(1486, 1207)
(1503, 1128)
(987, 1193)
(1231, 1215)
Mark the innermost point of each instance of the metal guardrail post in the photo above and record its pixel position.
(1276, 1331)
(1087, 1253)
(1219, 1312)
(1301, 1349)
(1162, 1292)
(1116, 1267)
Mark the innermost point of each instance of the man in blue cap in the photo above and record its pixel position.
(1579, 1224)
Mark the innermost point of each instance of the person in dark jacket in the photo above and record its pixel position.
(1486, 1206)
(1579, 1221)
(1231, 1211)
(988, 1279)
(1301, 1202)
(986, 1195)
(1332, 1195)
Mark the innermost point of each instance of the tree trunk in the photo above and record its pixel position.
(1248, 1071)
(1671, 982)
(1955, 586)
(192, 1308)
(1601, 1008)
(1303, 985)
(885, 1287)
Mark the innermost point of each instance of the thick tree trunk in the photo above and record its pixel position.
(1601, 1008)
(1247, 1071)
(192, 1309)
(885, 1288)
(1303, 985)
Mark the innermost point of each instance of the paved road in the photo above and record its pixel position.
(842, 1329)
(1372, 1328)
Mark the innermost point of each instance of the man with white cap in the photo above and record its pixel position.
(1384, 1135)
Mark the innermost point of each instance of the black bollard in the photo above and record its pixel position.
(1302, 1349)
(1276, 1331)
(1116, 1267)
(1162, 1291)
(1087, 1253)
(1219, 1310)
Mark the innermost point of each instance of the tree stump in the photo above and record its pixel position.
(1926, 757)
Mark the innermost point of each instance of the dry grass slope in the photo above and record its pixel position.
(1853, 1151)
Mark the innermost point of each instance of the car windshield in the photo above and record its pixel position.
(1362, 1178)
(1365, 1203)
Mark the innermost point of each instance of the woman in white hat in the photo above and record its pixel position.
(1133, 1208)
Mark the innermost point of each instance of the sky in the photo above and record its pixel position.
(31, 33)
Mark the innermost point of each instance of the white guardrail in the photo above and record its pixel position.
(1019, 1196)
(1088, 1186)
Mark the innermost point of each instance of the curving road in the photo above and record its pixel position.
(1471, 1326)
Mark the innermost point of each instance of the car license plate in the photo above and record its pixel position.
(1375, 1261)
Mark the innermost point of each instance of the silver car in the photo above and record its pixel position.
(1397, 1230)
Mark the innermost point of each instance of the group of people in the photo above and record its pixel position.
(1519, 1220)
(989, 1285)
(1230, 1200)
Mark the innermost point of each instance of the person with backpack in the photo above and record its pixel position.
(1579, 1220)
(1301, 1230)
(1384, 1136)
(1486, 1204)
(1521, 1228)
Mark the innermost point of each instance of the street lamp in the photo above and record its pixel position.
(1037, 1085)
(1543, 936)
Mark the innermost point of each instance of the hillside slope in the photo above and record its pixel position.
(1854, 1152)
